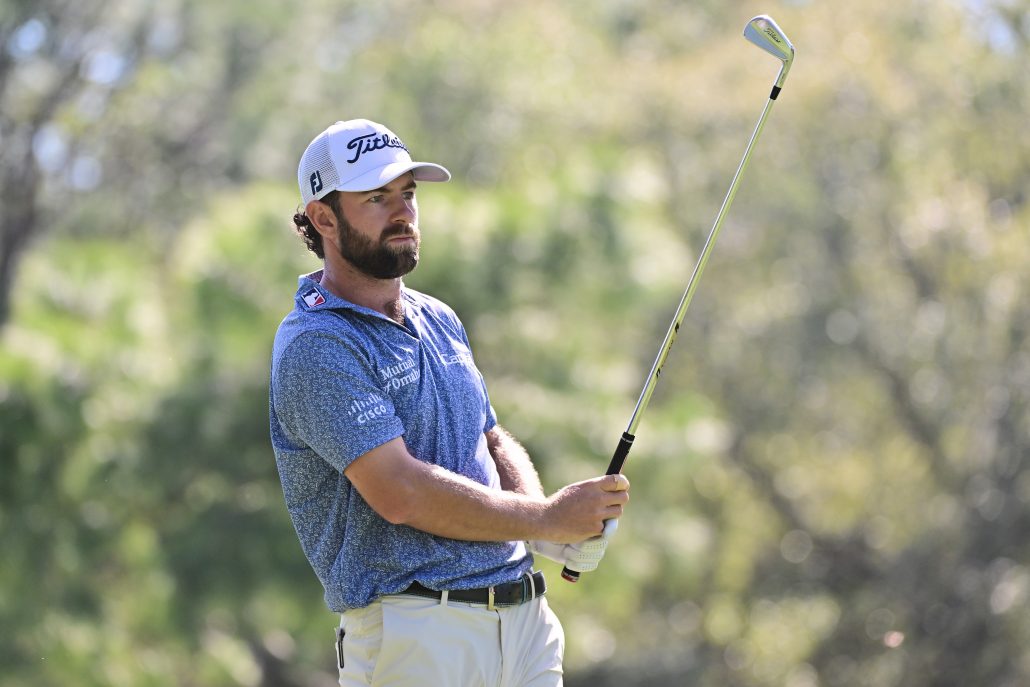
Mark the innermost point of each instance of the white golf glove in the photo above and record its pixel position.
(582, 556)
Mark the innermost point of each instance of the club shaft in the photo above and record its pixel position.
(688, 295)
(626, 441)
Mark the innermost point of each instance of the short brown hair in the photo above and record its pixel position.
(307, 231)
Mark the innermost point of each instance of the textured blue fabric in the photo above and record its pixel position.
(346, 379)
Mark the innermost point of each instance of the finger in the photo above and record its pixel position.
(612, 511)
(615, 483)
(616, 498)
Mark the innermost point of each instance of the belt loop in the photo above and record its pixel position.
(490, 599)
(532, 585)
(443, 597)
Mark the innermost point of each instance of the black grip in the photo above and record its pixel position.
(614, 468)
(621, 451)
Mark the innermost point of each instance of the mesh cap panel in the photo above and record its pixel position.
(317, 174)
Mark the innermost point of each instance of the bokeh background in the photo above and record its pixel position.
(830, 487)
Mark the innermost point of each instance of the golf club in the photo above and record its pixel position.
(763, 32)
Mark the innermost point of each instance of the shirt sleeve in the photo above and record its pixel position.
(326, 396)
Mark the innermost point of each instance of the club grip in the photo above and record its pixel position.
(621, 451)
(614, 468)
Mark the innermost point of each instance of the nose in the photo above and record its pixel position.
(405, 211)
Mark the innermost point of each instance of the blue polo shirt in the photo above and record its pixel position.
(346, 379)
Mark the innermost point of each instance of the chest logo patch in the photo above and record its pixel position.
(312, 298)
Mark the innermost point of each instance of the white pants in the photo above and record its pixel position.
(407, 640)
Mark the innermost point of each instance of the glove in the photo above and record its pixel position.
(582, 556)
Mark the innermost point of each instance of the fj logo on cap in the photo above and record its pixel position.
(316, 182)
(372, 142)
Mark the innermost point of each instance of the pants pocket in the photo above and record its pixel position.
(426, 643)
(358, 641)
(407, 633)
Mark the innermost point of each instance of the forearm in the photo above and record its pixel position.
(514, 465)
(406, 491)
(447, 504)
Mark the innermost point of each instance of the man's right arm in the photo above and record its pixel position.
(406, 491)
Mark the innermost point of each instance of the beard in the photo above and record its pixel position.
(378, 259)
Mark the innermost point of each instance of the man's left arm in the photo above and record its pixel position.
(517, 474)
(514, 466)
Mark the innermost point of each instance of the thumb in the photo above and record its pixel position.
(610, 526)
(617, 482)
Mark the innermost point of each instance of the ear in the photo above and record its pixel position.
(322, 217)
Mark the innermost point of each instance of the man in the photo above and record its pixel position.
(411, 503)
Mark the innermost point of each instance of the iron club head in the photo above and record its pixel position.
(763, 32)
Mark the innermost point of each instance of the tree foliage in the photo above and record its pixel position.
(830, 486)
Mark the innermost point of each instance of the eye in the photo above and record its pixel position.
(375, 199)
(409, 195)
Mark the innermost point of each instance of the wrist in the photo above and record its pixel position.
(541, 519)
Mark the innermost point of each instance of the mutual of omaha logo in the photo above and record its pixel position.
(312, 298)
(399, 374)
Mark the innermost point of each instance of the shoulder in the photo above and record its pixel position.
(315, 339)
(427, 302)
(433, 307)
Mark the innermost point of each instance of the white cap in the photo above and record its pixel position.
(358, 155)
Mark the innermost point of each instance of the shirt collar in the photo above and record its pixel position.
(312, 296)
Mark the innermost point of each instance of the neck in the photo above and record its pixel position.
(381, 295)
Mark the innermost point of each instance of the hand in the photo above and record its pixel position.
(582, 556)
(579, 511)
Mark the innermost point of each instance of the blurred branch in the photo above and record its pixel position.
(275, 672)
(21, 177)
(17, 223)
(849, 560)
(923, 430)
(6, 58)
(925, 285)
(1015, 17)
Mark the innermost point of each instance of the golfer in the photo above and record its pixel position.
(418, 513)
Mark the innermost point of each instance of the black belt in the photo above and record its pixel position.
(526, 588)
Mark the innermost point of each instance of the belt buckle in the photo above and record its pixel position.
(490, 599)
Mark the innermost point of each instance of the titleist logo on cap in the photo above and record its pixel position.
(356, 156)
(372, 142)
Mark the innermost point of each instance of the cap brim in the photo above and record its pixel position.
(381, 176)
